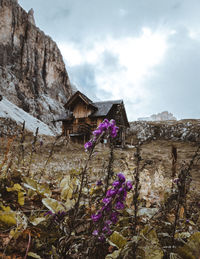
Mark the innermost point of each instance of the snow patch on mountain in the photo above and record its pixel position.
(10, 110)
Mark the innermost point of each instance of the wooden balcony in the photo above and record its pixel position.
(79, 129)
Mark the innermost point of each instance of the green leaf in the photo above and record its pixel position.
(53, 205)
(117, 239)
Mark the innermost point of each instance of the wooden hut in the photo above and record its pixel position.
(82, 116)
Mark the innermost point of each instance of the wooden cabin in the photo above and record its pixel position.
(82, 116)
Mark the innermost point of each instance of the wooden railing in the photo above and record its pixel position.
(81, 128)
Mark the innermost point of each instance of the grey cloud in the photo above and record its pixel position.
(110, 62)
(83, 76)
(96, 19)
(177, 84)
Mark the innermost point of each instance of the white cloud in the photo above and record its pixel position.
(137, 56)
(194, 34)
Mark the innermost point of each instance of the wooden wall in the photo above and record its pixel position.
(81, 110)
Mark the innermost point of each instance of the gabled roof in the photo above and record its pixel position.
(80, 95)
(104, 107)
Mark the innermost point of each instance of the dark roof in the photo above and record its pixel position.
(104, 107)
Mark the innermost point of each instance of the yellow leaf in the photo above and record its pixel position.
(114, 255)
(30, 183)
(65, 181)
(34, 255)
(16, 187)
(53, 205)
(41, 189)
(191, 249)
(69, 204)
(21, 198)
(37, 221)
(7, 216)
(15, 233)
(66, 193)
(117, 239)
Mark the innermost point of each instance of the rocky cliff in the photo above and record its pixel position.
(32, 71)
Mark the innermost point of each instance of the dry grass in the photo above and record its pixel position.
(67, 155)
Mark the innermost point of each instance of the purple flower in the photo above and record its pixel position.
(111, 192)
(119, 205)
(99, 183)
(112, 122)
(114, 131)
(106, 229)
(96, 217)
(121, 190)
(95, 232)
(106, 201)
(97, 132)
(121, 177)
(88, 145)
(104, 125)
(116, 184)
(129, 185)
(123, 197)
(102, 238)
(108, 222)
(49, 213)
(106, 208)
(122, 193)
(114, 217)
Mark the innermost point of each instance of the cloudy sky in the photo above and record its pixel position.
(146, 52)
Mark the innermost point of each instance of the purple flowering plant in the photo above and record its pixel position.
(105, 129)
(112, 205)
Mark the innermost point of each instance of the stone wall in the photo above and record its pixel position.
(183, 130)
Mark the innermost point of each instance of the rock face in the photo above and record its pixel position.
(183, 130)
(32, 71)
(163, 116)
